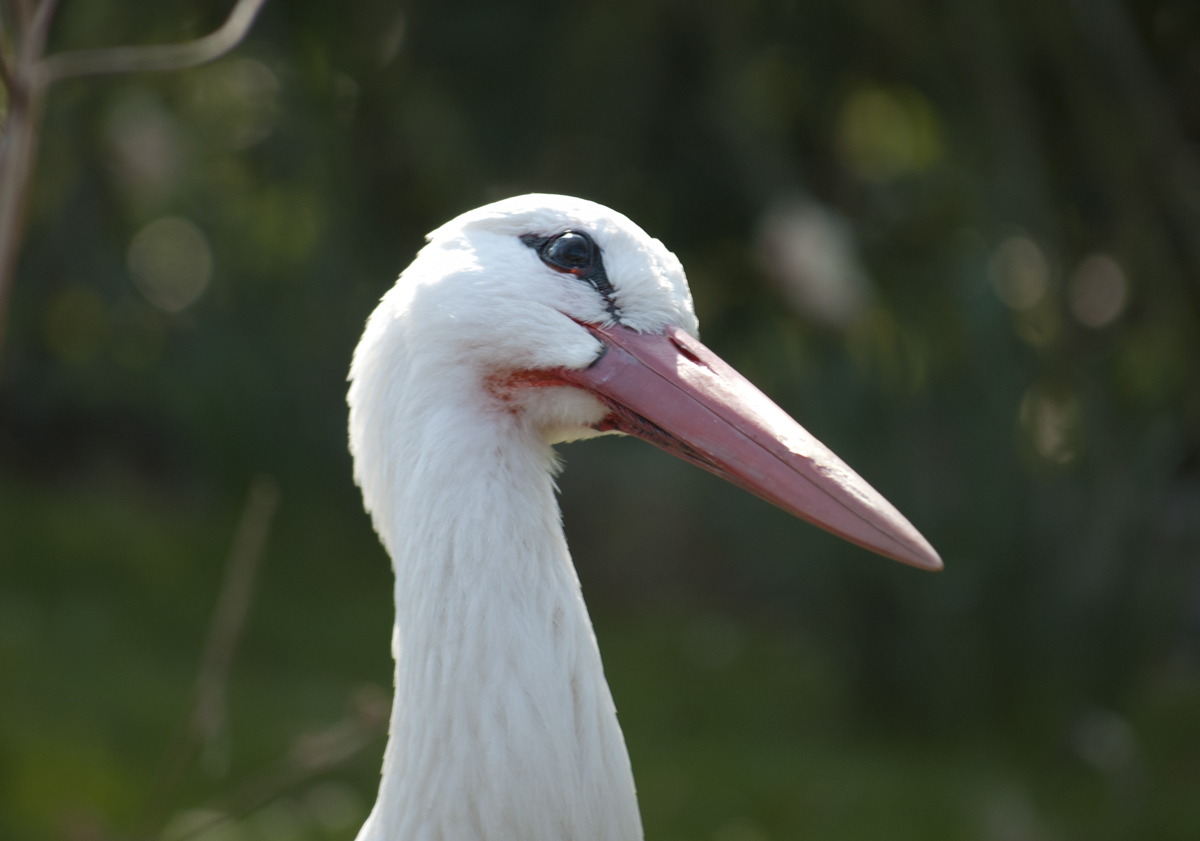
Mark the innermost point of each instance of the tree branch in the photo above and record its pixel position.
(6, 78)
(30, 76)
(312, 756)
(18, 145)
(153, 58)
(207, 711)
(33, 37)
(24, 12)
(5, 73)
(1168, 152)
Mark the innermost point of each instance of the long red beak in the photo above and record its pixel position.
(677, 394)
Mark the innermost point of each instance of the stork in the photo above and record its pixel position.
(521, 324)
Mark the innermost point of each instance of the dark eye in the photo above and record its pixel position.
(570, 252)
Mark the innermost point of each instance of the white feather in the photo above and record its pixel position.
(503, 728)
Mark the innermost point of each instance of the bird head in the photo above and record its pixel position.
(564, 317)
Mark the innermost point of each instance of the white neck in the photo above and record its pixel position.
(503, 728)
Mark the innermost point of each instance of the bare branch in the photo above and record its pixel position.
(31, 74)
(4, 71)
(19, 142)
(207, 712)
(236, 592)
(312, 756)
(24, 12)
(1168, 152)
(33, 37)
(153, 58)
(6, 78)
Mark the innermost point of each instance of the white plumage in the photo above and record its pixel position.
(503, 728)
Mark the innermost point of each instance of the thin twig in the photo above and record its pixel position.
(24, 13)
(153, 58)
(206, 714)
(1123, 58)
(18, 149)
(18, 152)
(33, 38)
(6, 77)
(32, 74)
(315, 755)
(237, 590)
(5, 73)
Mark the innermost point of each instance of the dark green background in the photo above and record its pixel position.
(773, 683)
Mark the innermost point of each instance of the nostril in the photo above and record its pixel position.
(683, 349)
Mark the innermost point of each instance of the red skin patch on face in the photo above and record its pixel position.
(504, 386)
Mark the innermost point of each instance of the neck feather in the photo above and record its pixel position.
(503, 728)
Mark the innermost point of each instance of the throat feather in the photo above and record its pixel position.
(503, 726)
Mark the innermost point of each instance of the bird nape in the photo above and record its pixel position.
(527, 322)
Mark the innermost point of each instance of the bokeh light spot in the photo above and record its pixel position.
(391, 39)
(145, 143)
(1020, 272)
(1098, 291)
(77, 323)
(1051, 422)
(335, 805)
(1009, 814)
(811, 254)
(1040, 324)
(170, 262)
(884, 133)
(1105, 741)
(237, 101)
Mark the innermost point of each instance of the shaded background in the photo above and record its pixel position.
(958, 239)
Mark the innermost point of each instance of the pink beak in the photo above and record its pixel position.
(677, 394)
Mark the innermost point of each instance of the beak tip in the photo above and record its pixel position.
(934, 564)
(923, 557)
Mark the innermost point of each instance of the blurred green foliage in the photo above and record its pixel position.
(959, 240)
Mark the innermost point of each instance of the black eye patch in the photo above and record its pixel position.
(575, 253)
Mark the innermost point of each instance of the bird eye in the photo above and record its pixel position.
(575, 253)
(570, 252)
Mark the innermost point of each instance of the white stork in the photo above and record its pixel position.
(527, 322)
